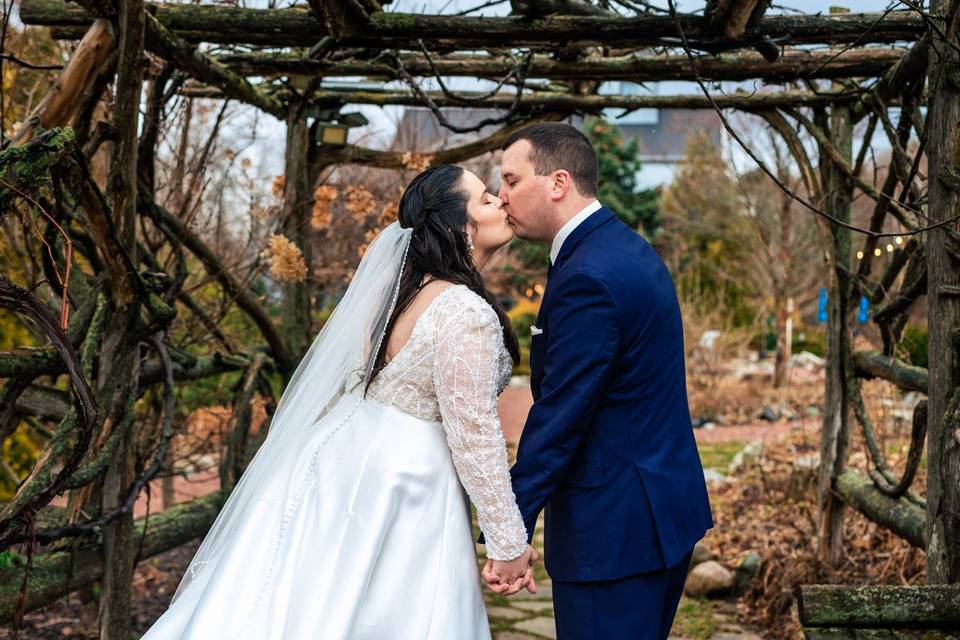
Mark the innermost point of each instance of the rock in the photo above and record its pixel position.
(707, 579)
(807, 360)
(769, 414)
(709, 338)
(702, 421)
(746, 571)
(747, 456)
(712, 475)
(709, 426)
(701, 554)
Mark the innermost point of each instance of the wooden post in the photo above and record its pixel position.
(119, 356)
(943, 305)
(297, 203)
(837, 196)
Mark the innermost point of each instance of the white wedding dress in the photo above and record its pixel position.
(375, 540)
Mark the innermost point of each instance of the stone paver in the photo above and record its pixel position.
(541, 626)
(532, 605)
(505, 613)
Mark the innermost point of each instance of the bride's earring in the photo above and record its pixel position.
(470, 243)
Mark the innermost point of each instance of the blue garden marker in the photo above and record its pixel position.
(822, 305)
(864, 313)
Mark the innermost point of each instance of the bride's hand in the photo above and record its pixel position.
(509, 577)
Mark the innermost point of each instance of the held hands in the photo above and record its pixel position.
(507, 577)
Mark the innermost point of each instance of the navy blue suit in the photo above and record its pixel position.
(608, 448)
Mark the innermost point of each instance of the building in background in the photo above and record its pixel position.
(662, 133)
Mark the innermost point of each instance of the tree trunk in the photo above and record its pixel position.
(120, 354)
(834, 443)
(943, 309)
(297, 204)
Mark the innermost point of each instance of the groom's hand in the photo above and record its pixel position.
(509, 577)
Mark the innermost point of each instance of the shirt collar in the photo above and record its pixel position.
(568, 228)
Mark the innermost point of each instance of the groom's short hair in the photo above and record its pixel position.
(556, 145)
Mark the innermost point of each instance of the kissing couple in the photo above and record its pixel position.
(353, 520)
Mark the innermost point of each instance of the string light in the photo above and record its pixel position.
(898, 240)
(877, 252)
(859, 255)
(889, 248)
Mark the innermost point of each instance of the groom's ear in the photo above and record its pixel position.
(561, 183)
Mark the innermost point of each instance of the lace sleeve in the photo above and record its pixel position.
(465, 376)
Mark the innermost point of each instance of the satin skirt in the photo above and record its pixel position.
(365, 535)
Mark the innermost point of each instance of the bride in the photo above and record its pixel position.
(351, 520)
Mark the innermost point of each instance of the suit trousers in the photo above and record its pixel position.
(636, 607)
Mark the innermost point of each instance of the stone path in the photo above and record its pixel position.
(525, 616)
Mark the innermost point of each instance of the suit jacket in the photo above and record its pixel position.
(608, 447)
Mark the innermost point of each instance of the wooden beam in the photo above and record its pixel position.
(873, 364)
(924, 606)
(560, 101)
(298, 27)
(899, 515)
(166, 44)
(54, 575)
(793, 64)
(352, 154)
(161, 41)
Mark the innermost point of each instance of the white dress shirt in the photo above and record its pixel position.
(568, 228)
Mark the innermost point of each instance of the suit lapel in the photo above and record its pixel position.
(594, 221)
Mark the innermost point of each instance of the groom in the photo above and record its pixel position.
(608, 449)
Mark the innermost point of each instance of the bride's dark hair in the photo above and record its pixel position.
(434, 205)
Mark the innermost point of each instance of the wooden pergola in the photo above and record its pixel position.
(548, 60)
